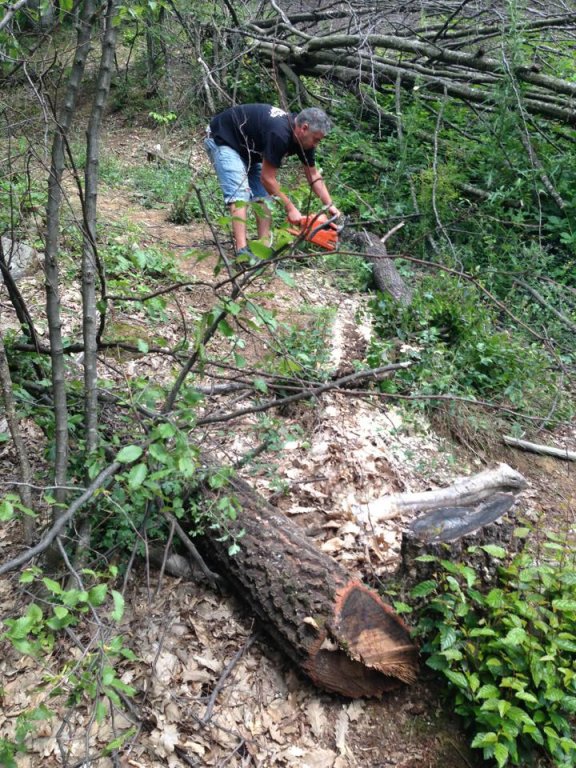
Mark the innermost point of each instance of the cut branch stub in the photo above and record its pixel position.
(337, 630)
(459, 534)
(451, 523)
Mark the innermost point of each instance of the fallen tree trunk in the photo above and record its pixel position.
(463, 493)
(386, 276)
(338, 631)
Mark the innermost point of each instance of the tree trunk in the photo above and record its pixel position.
(51, 267)
(386, 277)
(24, 489)
(337, 630)
(89, 251)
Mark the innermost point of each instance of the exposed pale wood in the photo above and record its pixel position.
(547, 450)
(464, 492)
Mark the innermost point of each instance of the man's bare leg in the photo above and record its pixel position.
(263, 222)
(238, 225)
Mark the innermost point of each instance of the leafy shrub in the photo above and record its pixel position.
(455, 346)
(508, 655)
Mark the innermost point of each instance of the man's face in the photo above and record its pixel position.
(307, 138)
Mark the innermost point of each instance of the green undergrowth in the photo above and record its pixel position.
(456, 344)
(506, 652)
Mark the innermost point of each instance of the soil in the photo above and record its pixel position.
(212, 688)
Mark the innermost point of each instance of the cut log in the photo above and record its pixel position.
(463, 493)
(338, 631)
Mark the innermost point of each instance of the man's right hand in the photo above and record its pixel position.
(293, 214)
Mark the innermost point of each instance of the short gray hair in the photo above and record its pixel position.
(316, 118)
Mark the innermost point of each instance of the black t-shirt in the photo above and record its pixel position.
(257, 132)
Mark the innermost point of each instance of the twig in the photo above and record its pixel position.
(166, 552)
(212, 577)
(305, 394)
(541, 300)
(223, 677)
(99, 482)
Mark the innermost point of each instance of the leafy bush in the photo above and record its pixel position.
(452, 338)
(508, 655)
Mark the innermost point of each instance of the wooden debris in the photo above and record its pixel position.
(546, 450)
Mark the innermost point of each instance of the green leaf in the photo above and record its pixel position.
(494, 550)
(487, 691)
(501, 754)
(142, 346)
(186, 466)
(448, 638)
(456, 678)
(6, 510)
(564, 605)
(482, 632)
(525, 696)
(516, 636)
(52, 586)
(260, 385)
(484, 739)
(495, 598)
(119, 604)
(286, 278)
(424, 588)
(119, 685)
(401, 607)
(160, 453)
(97, 594)
(225, 329)
(165, 430)
(129, 453)
(28, 576)
(137, 475)
(101, 711)
(260, 250)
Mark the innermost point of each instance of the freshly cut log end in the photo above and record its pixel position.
(365, 650)
(336, 672)
(372, 633)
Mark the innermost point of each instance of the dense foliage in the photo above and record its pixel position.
(507, 651)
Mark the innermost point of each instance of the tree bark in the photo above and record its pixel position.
(51, 266)
(336, 630)
(89, 251)
(14, 427)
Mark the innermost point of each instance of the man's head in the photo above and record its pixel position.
(310, 127)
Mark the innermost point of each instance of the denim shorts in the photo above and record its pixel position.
(238, 182)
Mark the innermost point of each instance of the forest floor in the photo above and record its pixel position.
(191, 643)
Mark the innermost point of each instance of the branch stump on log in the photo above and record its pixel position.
(458, 534)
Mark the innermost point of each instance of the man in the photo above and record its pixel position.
(247, 145)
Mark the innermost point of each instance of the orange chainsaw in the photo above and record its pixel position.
(319, 230)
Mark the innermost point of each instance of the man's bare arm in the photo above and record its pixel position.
(271, 185)
(320, 189)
